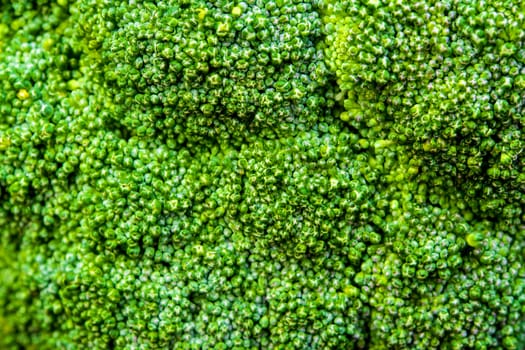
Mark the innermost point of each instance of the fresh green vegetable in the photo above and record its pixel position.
(262, 174)
(448, 79)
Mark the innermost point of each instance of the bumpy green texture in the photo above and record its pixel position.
(198, 68)
(261, 175)
(447, 75)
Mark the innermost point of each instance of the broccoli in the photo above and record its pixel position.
(261, 174)
(198, 69)
(448, 79)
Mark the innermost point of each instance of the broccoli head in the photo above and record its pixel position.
(261, 174)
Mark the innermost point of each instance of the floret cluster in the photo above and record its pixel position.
(262, 174)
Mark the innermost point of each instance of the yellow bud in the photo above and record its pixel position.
(73, 84)
(474, 239)
(5, 142)
(202, 13)
(48, 44)
(237, 11)
(22, 94)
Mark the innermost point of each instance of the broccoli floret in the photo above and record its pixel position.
(208, 69)
(261, 174)
(449, 78)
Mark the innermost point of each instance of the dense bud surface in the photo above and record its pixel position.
(261, 175)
